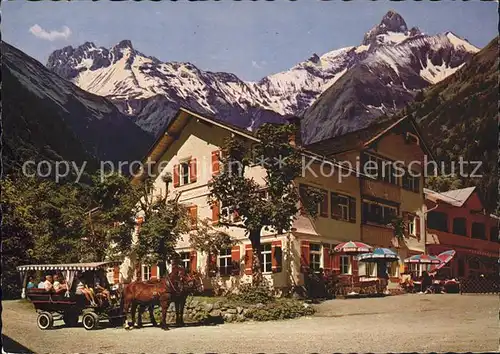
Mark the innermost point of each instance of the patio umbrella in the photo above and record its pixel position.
(445, 258)
(423, 259)
(379, 255)
(353, 248)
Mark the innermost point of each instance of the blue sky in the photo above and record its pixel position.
(250, 39)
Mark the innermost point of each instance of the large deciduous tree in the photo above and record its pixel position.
(272, 206)
(165, 220)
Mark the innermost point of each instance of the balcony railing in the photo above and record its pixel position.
(381, 189)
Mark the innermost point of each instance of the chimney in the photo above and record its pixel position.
(295, 139)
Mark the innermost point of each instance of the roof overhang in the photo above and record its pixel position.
(179, 122)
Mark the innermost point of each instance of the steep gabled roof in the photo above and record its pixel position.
(460, 195)
(182, 118)
(455, 197)
(361, 139)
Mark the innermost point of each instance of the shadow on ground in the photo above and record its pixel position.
(11, 346)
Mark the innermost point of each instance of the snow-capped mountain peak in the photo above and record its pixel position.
(392, 25)
(403, 60)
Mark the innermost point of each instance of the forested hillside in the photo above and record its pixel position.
(459, 118)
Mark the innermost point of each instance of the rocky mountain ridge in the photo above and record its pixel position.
(398, 60)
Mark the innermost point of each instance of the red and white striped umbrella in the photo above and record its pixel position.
(353, 247)
(445, 258)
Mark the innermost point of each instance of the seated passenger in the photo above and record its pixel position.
(31, 283)
(47, 284)
(41, 285)
(59, 283)
(82, 289)
(100, 288)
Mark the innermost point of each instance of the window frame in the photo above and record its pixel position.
(347, 209)
(315, 256)
(385, 169)
(393, 269)
(383, 208)
(342, 265)
(410, 183)
(435, 214)
(266, 257)
(474, 234)
(412, 225)
(183, 260)
(146, 269)
(454, 226)
(344, 207)
(227, 257)
(188, 173)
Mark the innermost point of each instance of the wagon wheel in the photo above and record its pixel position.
(45, 320)
(90, 321)
(70, 318)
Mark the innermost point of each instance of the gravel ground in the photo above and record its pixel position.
(405, 323)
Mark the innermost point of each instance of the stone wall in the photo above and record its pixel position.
(220, 311)
(217, 312)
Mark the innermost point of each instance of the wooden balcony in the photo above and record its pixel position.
(381, 190)
(377, 236)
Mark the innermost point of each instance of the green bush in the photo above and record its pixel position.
(253, 294)
(280, 310)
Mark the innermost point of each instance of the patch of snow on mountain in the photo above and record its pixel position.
(362, 48)
(435, 73)
(85, 63)
(392, 37)
(459, 42)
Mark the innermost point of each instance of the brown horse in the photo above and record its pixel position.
(191, 284)
(174, 287)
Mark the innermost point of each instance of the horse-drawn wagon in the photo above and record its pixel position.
(65, 304)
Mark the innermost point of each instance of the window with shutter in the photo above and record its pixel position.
(315, 256)
(345, 265)
(185, 260)
(343, 207)
(266, 262)
(146, 272)
(225, 262)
